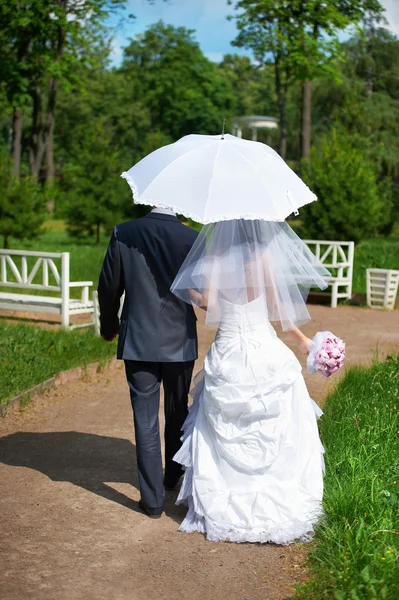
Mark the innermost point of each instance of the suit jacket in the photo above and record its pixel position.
(142, 260)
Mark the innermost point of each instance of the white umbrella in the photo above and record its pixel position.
(211, 178)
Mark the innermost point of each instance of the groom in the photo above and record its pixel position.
(157, 338)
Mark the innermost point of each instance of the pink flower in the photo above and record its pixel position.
(322, 356)
(334, 369)
(328, 346)
(335, 352)
(331, 362)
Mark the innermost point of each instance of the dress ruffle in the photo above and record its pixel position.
(301, 531)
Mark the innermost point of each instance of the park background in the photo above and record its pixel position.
(87, 90)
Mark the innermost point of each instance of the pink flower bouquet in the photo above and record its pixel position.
(327, 353)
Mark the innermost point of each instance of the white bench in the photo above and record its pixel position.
(29, 271)
(337, 257)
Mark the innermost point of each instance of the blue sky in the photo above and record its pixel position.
(207, 17)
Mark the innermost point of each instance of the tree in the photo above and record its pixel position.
(352, 203)
(97, 196)
(300, 39)
(22, 206)
(41, 43)
(184, 91)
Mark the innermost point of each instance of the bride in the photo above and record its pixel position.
(251, 450)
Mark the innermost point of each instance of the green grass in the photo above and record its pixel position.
(356, 551)
(86, 257)
(30, 355)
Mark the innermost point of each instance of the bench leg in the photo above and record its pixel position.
(334, 299)
(65, 316)
(96, 314)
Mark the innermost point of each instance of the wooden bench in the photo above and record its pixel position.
(337, 257)
(32, 271)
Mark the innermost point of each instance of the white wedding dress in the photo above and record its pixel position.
(251, 450)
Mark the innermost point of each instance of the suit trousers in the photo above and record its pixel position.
(144, 380)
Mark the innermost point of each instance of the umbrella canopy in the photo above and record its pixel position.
(216, 178)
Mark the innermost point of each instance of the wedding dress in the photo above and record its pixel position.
(251, 450)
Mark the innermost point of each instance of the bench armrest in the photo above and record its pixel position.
(80, 283)
(85, 291)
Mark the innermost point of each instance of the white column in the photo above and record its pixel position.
(239, 132)
(254, 134)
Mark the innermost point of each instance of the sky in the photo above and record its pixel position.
(208, 18)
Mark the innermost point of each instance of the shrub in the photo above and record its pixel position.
(352, 203)
(22, 205)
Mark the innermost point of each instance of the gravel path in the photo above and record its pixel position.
(70, 528)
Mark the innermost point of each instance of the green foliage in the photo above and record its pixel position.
(185, 91)
(30, 355)
(22, 205)
(356, 553)
(352, 204)
(96, 192)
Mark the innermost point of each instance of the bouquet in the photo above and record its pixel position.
(327, 353)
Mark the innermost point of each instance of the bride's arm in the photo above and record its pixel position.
(199, 299)
(301, 339)
(295, 333)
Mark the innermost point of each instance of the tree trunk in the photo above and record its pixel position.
(98, 234)
(50, 155)
(281, 101)
(49, 141)
(306, 119)
(6, 241)
(37, 147)
(16, 146)
(283, 137)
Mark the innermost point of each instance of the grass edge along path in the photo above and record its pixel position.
(355, 553)
(30, 355)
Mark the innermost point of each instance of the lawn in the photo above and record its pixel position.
(30, 355)
(356, 551)
(86, 258)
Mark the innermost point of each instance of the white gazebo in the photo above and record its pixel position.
(253, 122)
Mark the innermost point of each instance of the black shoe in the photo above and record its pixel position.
(153, 513)
(170, 482)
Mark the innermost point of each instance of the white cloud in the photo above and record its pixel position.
(116, 54)
(215, 57)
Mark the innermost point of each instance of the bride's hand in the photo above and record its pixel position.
(304, 345)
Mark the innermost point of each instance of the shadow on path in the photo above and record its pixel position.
(87, 460)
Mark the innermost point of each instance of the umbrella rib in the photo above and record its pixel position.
(253, 168)
(210, 184)
(169, 165)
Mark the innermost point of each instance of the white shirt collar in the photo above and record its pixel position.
(164, 211)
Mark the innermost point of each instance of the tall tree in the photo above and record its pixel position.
(300, 39)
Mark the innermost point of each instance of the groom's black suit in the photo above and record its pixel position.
(157, 336)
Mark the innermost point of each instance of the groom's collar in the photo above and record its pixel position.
(163, 211)
(161, 216)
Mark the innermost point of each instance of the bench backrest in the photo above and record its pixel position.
(34, 270)
(337, 257)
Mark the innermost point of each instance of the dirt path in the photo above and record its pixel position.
(70, 527)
